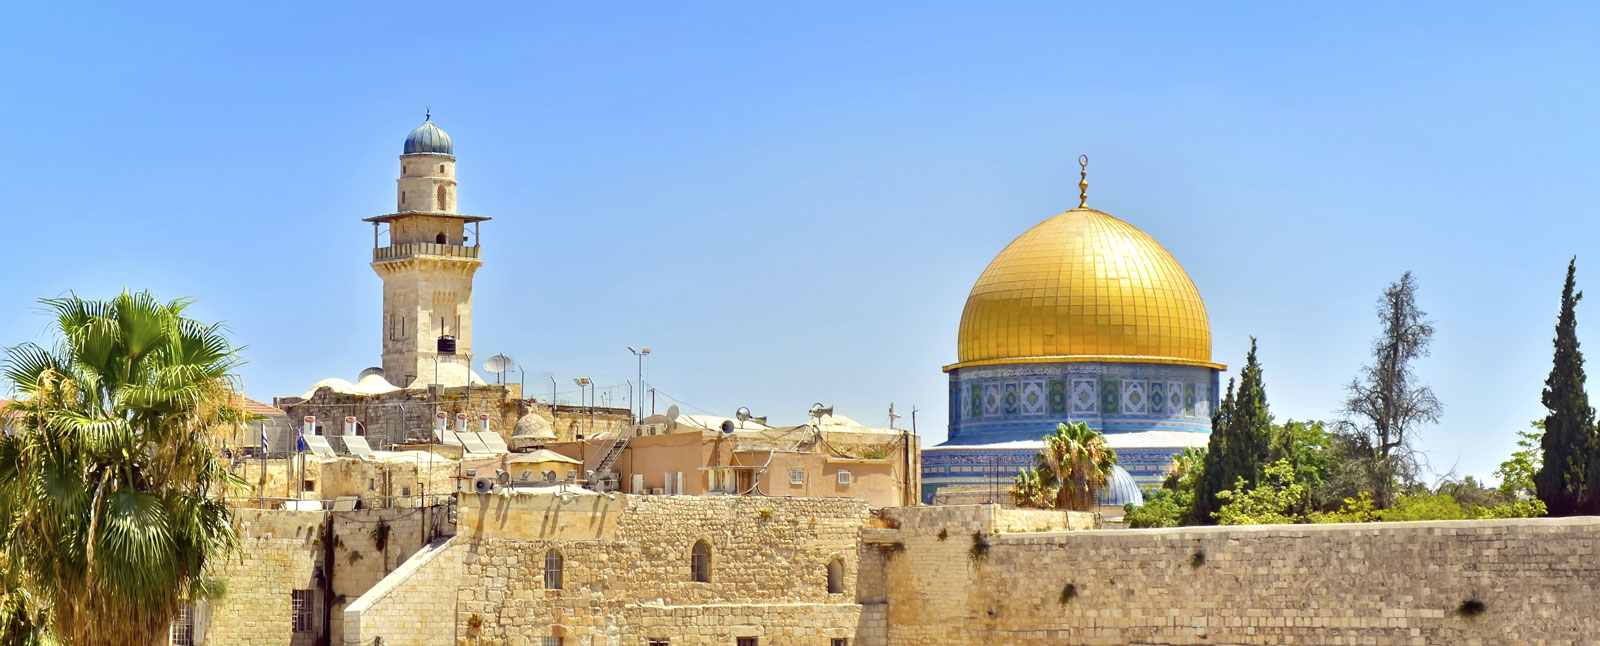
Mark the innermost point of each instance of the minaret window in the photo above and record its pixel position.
(441, 198)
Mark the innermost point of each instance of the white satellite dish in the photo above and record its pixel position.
(672, 412)
(498, 364)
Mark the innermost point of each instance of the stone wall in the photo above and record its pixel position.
(1386, 583)
(627, 574)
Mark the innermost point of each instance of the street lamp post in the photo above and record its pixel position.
(583, 382)
(640, 355)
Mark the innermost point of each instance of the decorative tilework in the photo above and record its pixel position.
(975, 397)
(1188, 399)
(1033, 397)
(1174, 399)
(1202, 405)
(1058, 396)
(1135, 401)
(991, 399)
(1083, 397)
(1110, 395)
(1158, 398)
(1010, 399)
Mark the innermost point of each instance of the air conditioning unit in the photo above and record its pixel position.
(844, 478)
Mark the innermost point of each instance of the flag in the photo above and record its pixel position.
(265, 447)
(301, 444)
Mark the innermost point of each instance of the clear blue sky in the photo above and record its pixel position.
(790, 202)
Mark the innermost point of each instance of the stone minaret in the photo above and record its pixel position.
(427, 266)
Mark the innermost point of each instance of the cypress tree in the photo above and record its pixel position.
(1563, 482)
(1241, 440)
(1213, 472)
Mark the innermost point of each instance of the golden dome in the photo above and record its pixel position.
(1084, 286)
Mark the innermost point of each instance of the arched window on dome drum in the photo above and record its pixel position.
(700, 562)
(553, 570)
(835, 577)
(441, 193)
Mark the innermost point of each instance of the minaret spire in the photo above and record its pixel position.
(1083, 181)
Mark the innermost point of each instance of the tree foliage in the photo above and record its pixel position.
(1518, 473)
(1279, 498)
(112, 499)
(1074, 464)
(1565, 481)
(1385, 403)
(1240, 443)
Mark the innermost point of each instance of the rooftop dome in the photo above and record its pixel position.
(1120, 490)
(428, 139)
(534, 427)
(1084, 286)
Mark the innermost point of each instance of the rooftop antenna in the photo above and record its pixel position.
(498, 365)
(892, 416)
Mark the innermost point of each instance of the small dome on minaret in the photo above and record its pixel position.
(428, 139)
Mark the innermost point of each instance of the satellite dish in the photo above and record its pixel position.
(672, 412)
(727, 427)
(482, 485)
(743, 414)
(370, 372)
(498, 364)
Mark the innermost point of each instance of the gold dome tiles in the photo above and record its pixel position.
(1084, 286)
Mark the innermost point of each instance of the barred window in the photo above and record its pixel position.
(182, 633)
(797, 476)
(656, 642)
(840, 641)
(746, 641)
(552, 570)
(552, 641)
(300, 610)
(700, 562)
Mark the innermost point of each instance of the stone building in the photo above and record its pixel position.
(1083, 318)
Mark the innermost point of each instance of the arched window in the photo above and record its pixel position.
(835, 577)
(439, 239)
(700, 562)
(441, 194)
(552, 570)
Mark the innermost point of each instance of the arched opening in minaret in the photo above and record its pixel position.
(441, 194)
(439, 239)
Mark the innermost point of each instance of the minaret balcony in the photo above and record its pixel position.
(413, 249)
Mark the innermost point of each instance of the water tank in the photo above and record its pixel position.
(447, 344)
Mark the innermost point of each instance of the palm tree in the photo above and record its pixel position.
(1028, 489)
(1184, 465)
(1077, 462)
(112, 499)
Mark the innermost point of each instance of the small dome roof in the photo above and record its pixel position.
(428, 139)
(1120, 490)
(534, 427)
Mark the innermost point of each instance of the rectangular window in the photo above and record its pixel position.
(745, 641)
(840, 641)
(552, 641)
(300, 610)
(797, 476)
(656, 642)
(183, 628)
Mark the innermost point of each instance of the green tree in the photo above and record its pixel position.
(1076, 463)
(1563, 482)
(1029, 489)
(1517, 473)
(1241, 438)
(1277, 499)
(112, 498)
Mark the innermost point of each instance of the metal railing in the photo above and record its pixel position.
(408, 249)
